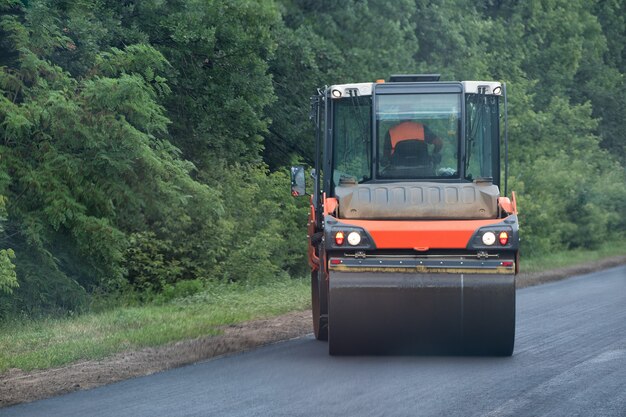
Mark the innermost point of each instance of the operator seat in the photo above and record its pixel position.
(410, 159)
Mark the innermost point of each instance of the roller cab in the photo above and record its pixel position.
(413, 245)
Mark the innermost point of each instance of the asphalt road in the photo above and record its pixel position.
(569, 360)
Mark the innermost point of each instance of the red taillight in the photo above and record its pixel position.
(339, 237)
(335, 261)
(504, 238)
(507, 263)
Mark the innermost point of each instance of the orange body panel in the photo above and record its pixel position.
(314, 261)
(420, 235)
(330, 204)
(505, 204)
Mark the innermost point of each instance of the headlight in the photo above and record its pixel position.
(354, 238)
(489, 238)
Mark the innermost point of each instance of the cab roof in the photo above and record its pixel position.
(365, 89)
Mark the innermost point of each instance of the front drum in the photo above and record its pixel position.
(421, 313)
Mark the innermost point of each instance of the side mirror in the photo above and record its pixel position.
(298, 184)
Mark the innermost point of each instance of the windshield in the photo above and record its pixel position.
(352, 135)
(418, 135)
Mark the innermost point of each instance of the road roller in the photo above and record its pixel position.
(413, 241)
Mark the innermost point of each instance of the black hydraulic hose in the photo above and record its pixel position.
(477, 119)
(362, 123)
(506, 141)
(318, 168)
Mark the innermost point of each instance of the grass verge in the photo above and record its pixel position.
(53, 342)
(571, 258)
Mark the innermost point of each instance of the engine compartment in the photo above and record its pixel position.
(423, 200)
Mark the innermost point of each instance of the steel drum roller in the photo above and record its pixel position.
(421, 313)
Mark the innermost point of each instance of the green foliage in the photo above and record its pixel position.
(8, 279)
(180, 290)
(266, 223)
(451, 39)
(92, 167)
(146, 265)
(44, 288)
(218, 52)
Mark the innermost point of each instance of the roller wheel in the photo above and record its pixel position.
(319, 306)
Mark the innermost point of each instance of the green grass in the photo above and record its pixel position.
(572, 257)
(46, 343)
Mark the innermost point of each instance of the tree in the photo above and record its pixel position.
(324, 43)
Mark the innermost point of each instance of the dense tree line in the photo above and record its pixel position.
(143, 143)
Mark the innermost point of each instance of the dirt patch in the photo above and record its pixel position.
(17, 386)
